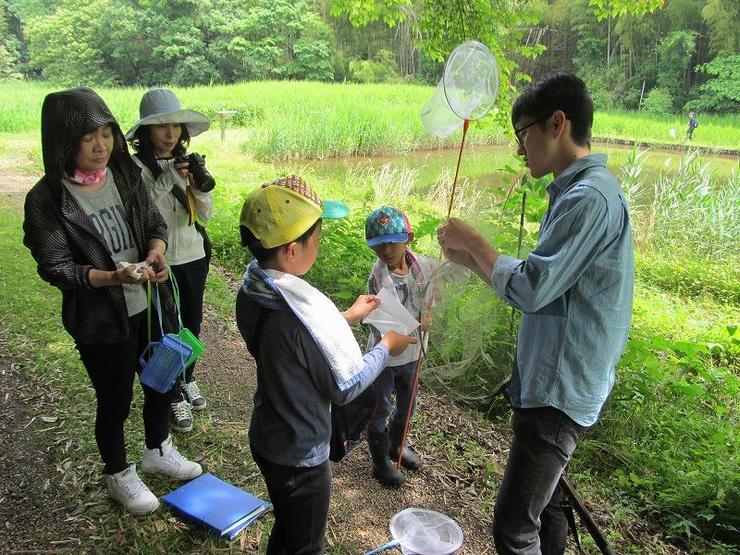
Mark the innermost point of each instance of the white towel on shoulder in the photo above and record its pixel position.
(326, 325)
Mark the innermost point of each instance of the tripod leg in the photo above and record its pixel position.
(585, 516)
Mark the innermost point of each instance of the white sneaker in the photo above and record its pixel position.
(167, 460)
(197, 401)
(181, 419)
(127, 488)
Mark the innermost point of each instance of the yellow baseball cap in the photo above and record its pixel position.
(281, 211)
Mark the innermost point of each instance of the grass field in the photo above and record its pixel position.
(290, 119)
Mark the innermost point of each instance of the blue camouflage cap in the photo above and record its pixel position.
(387, 225)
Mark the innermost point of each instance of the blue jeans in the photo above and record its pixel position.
(393, 378)
(528, 517)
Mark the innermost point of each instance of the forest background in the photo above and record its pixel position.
(659, 55)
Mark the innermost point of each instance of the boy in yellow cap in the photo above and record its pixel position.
(306, 355)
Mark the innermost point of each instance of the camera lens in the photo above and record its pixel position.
(197, 166)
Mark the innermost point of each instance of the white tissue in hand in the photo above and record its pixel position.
(137, 267)
(391, 315)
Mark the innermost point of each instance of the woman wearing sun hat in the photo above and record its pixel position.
(180, 187)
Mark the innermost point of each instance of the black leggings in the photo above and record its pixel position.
(111, 368)
(191, 279)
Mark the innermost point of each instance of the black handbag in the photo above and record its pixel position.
(349, 423)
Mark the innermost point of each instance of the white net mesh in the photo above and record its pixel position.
(467, 90)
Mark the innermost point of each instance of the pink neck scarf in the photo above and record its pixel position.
(89, 179)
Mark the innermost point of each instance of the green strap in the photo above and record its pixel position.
(176, 293)
(149, 316)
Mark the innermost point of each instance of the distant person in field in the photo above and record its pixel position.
(88, 213)
(575, 294)
(693, 124)
(181, 189)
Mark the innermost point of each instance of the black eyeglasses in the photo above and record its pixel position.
(530, 124)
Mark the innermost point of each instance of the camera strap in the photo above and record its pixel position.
(182, 198)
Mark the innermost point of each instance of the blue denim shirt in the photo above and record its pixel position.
(575, 294)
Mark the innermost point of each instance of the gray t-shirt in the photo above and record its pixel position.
(106, 213)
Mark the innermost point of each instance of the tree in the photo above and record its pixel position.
(283, 39)
(674, 56)
(722, 20)
(721, 93)
(11, 45)
(440, 26)
(381, 69)
(61, 44)
(7, 65)
(609, 9)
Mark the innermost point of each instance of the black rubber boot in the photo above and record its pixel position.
(409, 460)
(383, 469)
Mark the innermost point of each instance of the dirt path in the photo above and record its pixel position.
(463, 456)
(35, 514)
(361, 507)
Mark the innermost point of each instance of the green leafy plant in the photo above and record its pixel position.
(721, 92)
(380, 69)
(658, 101)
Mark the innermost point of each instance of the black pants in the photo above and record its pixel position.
(191, 280)
(111, 368)
(300, 501)
(528, 517)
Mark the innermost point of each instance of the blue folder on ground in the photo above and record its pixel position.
(223, 508)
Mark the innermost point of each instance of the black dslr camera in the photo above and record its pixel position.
(203, 180)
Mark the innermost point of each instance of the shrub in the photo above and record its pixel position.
(381, 69)
(721, 93)
(658, 101)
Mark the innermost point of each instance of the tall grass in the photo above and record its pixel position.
(687, 224)
(297, 119)
(285, 119)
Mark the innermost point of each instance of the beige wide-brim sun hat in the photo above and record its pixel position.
(162, 106)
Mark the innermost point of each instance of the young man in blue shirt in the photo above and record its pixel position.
(575, 294)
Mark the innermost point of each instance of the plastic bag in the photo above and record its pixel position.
(391, 315)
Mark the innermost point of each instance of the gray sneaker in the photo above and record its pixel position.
(197, 401)
(181, 417)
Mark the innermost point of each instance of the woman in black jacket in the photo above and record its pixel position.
(88, 221)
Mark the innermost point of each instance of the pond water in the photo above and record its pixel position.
(483, 165)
